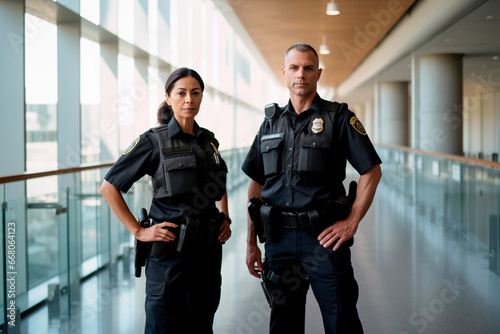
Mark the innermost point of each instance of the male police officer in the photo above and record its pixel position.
(297, 164)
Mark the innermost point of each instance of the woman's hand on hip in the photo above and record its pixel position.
(157, 232)
(225, 231)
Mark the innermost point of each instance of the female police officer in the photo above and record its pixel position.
(183, 270)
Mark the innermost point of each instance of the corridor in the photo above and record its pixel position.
(413, 278)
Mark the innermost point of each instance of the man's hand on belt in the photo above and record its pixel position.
(339, 232)
(156, 232)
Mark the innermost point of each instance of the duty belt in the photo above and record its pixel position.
(296, 220)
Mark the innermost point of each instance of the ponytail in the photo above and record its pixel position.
(165, 113)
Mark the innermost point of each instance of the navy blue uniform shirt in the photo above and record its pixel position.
(292, 190)
(143, 157)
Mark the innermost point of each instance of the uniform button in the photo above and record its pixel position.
(267, 147)
(289, 148)
(314, 144)
(181, 164)
(287, 203)
(288, 184)
(289, 166)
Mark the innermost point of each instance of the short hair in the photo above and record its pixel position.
(302, 47)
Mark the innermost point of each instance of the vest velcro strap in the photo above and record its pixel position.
(176, 150)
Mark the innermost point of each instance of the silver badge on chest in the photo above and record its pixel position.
(317, 126)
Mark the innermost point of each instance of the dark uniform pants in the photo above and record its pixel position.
(297, 255)
(183, 291)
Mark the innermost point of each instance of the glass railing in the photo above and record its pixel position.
(54, 240)
(459, 197)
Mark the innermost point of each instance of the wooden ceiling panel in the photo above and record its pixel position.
(274, 25)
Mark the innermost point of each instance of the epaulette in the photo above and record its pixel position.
(272, 112)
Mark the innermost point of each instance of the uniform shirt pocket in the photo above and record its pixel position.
(180, 174)
(314, 154)
(270, 147)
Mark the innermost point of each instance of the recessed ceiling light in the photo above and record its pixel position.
(489, 17)
(495, 57)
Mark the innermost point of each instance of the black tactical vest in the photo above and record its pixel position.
(311, 150)
(178, 172)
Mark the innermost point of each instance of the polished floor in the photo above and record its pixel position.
(413, 278)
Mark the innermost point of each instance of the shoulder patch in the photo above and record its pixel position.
(132, 145)
(356, 124)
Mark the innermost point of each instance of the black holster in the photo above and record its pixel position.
(193, 233)
(254, 205)
(269, 282)
(270, 215)
(141, 247)
(284, 290)
(333, 210)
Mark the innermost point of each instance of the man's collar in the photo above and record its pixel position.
(316, 105)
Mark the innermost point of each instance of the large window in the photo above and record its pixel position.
(41, 148)
(89, 95)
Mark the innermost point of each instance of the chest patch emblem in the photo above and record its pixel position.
(355, 122)
(132, 146)
(317, 125)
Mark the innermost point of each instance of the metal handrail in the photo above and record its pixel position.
(33, 175)
(458, 158)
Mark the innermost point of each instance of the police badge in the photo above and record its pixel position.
(317, 125)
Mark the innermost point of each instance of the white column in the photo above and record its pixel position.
(109, 15)
(74, 5)
(68, 86)
(12, 116)
(368, 118)
(108, 128)
(164, 44)
(141, 32)
(141, 96)
(12, 127)
(496, 134)
(393, 113)
(440, 103)
(108, 125)
(69, 150)
(415, 106)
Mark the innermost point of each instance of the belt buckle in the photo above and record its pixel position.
(290, 220)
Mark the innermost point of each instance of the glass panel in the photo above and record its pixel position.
(89, 206)
(3, 221)
(41, 94)
(14, 252)
(43, 233)
(90, 100)
(126, 93)
(126, 20)
(461, 199)
(90, 9)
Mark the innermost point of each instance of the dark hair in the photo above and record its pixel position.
(302, 47)
(165, 112)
